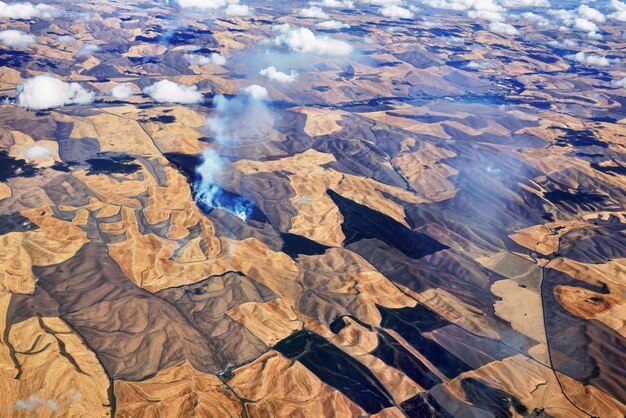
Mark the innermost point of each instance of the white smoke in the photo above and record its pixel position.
(245, 117)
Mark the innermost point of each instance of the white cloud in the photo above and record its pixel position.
(27, 10)
(46, 92)
(620, 83)
(201, 4)
(239, 10)
(585, 25)
(332, 24)
(256, 92)
(480, 9)
(503, 28)
(122, 91)
(231, 7)
(31, 403)
(620, 11)
(87, 50)
(582, 19)
(65, 39)
(525, 3)
(536, 19)
(338, 4)
(481, 64)
(273, 74)
(567, 43)
(166, 91)
(592, 59)
(382, 2)
(282, 28)
(591, 14)
(313, 12)
(16, 38)
(197, 59)
(304, 40)
(486, 15)
(52, 405)
(393, 11)
(36, 152)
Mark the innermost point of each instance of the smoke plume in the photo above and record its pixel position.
(244, 118)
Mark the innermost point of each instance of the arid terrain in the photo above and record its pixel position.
(377, 208)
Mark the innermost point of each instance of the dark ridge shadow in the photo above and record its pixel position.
(361, 222)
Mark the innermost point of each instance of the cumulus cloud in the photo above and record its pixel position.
(231, 7)
(46, 92)
(87, 50)
(213, 58)
(489, 10)
(256, 92)
(536, 19)
(16, 38)
(525, 3)
(52, 405)
(31, 403)
(591, 14)
(65, 39)
(393, 11)
(566, 43)
(582, 19)
(239, 10)
(36, 152)
(304, 40)
(486, 15)
(27, 10)
(273, 74)
(166, 91)
(332, 24)
(201, 4)
(382, 2)
(585, 25)
(503, 28)
(620, 11)
(313, 12)
(122, 91)
(337, 4)
(593, 60)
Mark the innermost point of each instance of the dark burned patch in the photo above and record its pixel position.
(423, 405)
(410, 323)
(294, 245)
(578, 138)
(361, 222)
(117, 164)
(337, 369)
(12, 167)
(491, 399)
(14, 222)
